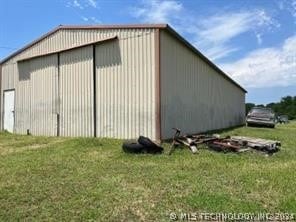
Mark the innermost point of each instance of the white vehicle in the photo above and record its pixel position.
(261, 116)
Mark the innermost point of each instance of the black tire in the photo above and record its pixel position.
(154, 149)
(151, 147)
(145, 141)
(133, 147)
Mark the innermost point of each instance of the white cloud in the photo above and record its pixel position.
(292, 8)
(221, 28)
(95, 20)
(210, 34)
(266, 67)
(92, 3)
(77, 4)
(80, 7)
(218, 51)
(74, 4)
(259, 38)
(91, 19)
(84, 18)
(293, 4)
(156, 11)
(289, 6)
(215, 32)
(281, 5)
(82, 4)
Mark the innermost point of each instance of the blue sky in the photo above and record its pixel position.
(252, 41)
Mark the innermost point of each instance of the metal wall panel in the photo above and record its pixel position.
(8, 81)
(129, 85)
(36, 96)
(67, 38)
(9, 75)
(194, 97)
(76, 92)
(23, 99)
(44, 76)
(126, 87)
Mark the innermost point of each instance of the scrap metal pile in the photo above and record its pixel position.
(224, 144)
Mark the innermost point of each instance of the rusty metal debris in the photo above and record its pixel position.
(224, 144)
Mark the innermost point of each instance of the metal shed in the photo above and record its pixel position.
(117, 81)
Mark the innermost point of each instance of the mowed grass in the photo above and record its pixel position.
(78, 179)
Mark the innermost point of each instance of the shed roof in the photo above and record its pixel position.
(128, 26)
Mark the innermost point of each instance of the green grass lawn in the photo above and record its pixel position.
(62, 179)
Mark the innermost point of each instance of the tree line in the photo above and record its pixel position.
(287, 106)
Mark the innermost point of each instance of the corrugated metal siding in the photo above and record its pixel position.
(64, 39)
(126, 87)
(9, 76)
(8, 81)
(194, 97)
(36, 96)
(23, 99)
(76, 92)
(44, 73)
(129, 85)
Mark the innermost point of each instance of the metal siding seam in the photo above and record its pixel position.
(94, 91)
(108, 96)
(130, 93)
(143, 43)
(145, 97)
(8, 79)
(210, 86)
(115, 104)
(126, 90)
(157, 85)
(149, 92)
(115, 98)
(138, 74)
(136, 92)
(58, 105)
(119, 106)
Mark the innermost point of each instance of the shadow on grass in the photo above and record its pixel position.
(223, 130)
(217, 131)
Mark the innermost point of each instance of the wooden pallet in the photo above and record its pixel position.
(256, 142)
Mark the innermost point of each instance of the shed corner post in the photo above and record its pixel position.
(94, 90)
(157, 85)
(58, 95)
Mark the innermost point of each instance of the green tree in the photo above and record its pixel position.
(249, 106)
(286, 106)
